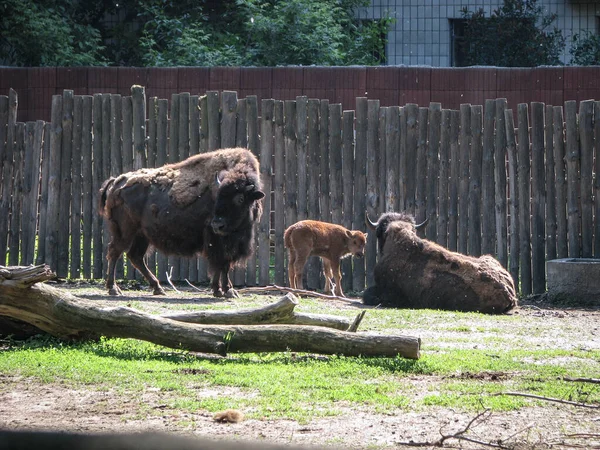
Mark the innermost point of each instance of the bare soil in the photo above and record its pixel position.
(27, 404)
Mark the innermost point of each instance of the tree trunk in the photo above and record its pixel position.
(63, 315)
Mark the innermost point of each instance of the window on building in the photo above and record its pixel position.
(457, 42)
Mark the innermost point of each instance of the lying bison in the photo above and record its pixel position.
(329, 241)
(207, 204)
(416, 273)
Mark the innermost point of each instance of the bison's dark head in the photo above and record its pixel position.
(236, 205)
(384, 221)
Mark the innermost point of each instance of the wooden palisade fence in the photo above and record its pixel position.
(522, 185)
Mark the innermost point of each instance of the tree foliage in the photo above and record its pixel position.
(517, 34)
(189, 33)
(585, 50)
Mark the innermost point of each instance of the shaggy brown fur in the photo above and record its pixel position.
(207, 204)
(417, 273)
(229, 416)
(329, 241)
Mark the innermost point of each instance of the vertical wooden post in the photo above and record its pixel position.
(266, 158)
(360, 186)
(562, 247)
(291, 185)
(6, 175)
(335, 161)
(463, 184)
(152, 128)
(550, 186)
(442, 194)
(138, 98)
(214, 120)
(183, 142)
(433, 168)
(98, 178)
(475, 181)
(228, 119)
(372, 183)
(195, 124)
(76, 186)
(106, 162)
(586, 147)
(421, 166)
(597, 179)
(410, 119)
(382, 185)
(241, 140)
(573, 155)
(392, 155)
(454, 181)
(301, 151)
(87, 176)
(488, 224)
(116, 154)
(500, 187)
(324, 186)
(54, 183)
(43, 202)
(348, 188)
(313, 266)
(524, 193)
(173, 157)
(538, 189)
(31, 188)
(513, 204)
(278, 192)
(254, 147)
(14, 239)
(162, 149)
(127, 153)
(203, 148)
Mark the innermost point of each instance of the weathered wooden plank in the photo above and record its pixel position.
(513, 201)
(524, 193)
(382, 185)
(203, 105)
(106, 162)
(392, 156)
(409, 135)
(228, 118)
(302, 154)
(152, 130)
(138, 99)
(421, 165)
(14, 238)
(291, 189)
(76, 188)
(454, 181)
(586, 147)
(597, 179)
(31, 188)
(463, 183)
(43, 201)
(51, 243)
(550, 186)
(360, 186)
(87, 176)
(183, 149)
(162, 149)
(173, 262)
(500, 184)
(127, 151)
(116, 153)
(266, 170)
(475, 181)
(335, 164)
(348, 189)
(8, 116)
(538, 201)
(324, 186)
(64, 203)
(488, 222)
(278, 192)
(372, 183)
(241, 140)
(313, 265)
(254, 147)
(562, 246)
(442, 194)
(573, 185)
(214, 120)
(98, 178)
(195, 125)
(433, 168)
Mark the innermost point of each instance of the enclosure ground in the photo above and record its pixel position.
(30, 404)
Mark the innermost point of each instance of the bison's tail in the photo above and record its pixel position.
(103, 194)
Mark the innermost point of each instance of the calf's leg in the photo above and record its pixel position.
(328, 275)
(136, 255)
(291, 271)
(299, 263)
(337, 274)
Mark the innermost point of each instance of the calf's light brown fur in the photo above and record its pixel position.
(329, 241)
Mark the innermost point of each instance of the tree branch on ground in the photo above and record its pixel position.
(548, 399)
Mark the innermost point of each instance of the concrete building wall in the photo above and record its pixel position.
(421, 32)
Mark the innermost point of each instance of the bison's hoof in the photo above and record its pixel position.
(159, 291)
(115, 290)
(232, 293)
(218, 293)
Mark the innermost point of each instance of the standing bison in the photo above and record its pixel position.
(329, 241)
(417, 273)
(207, 204)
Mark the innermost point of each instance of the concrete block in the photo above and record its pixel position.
(574, 281)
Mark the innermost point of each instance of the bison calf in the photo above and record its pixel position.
(330, 242)
(416, 273)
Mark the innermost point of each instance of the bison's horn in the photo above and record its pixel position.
(372, 225)
(217, 179)
(249, 188)
(421, 225)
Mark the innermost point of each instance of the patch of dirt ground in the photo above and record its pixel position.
(27, 404)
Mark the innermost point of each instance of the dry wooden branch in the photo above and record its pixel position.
(63, 315)
(168, 275)
(298, 292)
(548, 399)
(583, 380)
(279, 312)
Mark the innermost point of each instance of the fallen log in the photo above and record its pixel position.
(280, 312)
(63, 315)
